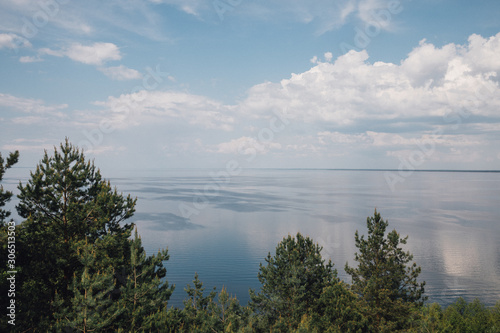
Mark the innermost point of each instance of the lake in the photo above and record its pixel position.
(223, 226)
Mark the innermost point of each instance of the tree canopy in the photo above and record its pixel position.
(385, 278)
(5, 196)
(292, 281)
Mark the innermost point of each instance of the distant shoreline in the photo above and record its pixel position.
(306, 169)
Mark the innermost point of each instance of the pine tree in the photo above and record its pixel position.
(145, 293)
(91, 308)
(5, 196)
(292, 281)
(198, 308)
(338, 310)
(233, 317)
(66, 201)
(215, 312)
(7, 241)
(383, 278)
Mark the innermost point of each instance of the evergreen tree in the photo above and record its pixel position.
(233, 317)
(91, 308)
(7, 241)
(459, 316)
(66, 201)
(215, 312)
(338, 310)
(144, 294)
(471, 317)
(383, 278)
(5, 196)
(292, 281)
(198, 308)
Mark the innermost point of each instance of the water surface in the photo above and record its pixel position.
(451, 219)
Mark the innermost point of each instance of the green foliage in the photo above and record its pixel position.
(144, 294)
(66, 201)
(6, 195)
(7, 229)
(215, 312)
(339, 310)
(91, 307)
(459, 317)
(467, 317)
(431, 318)
(292, 281)
(383, 278)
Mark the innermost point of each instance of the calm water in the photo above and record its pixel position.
(452, 219)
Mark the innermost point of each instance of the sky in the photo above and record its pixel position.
(160, 84)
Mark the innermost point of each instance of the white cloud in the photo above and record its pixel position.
(13, 41)
(81, 17)
(29, 59)
(324, 15)
(34, 148)
(327, 137)
(29, 105)
(160, 106)
(28, 120)
(430, 83)
(102, 149)
(246, 146)
(192, 7)
(343, 107)
(25, 144)
(94, 54)
(121, 73)
(379, 14)
(483, 54)
(427, 64)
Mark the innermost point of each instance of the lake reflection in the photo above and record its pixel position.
(451, 219)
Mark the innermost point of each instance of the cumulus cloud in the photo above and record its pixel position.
(430, 83)
(94, 54)
(445, 97)
(121, 73)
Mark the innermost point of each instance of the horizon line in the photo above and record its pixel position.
(312, 169)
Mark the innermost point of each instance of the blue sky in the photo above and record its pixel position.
(304, 84)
